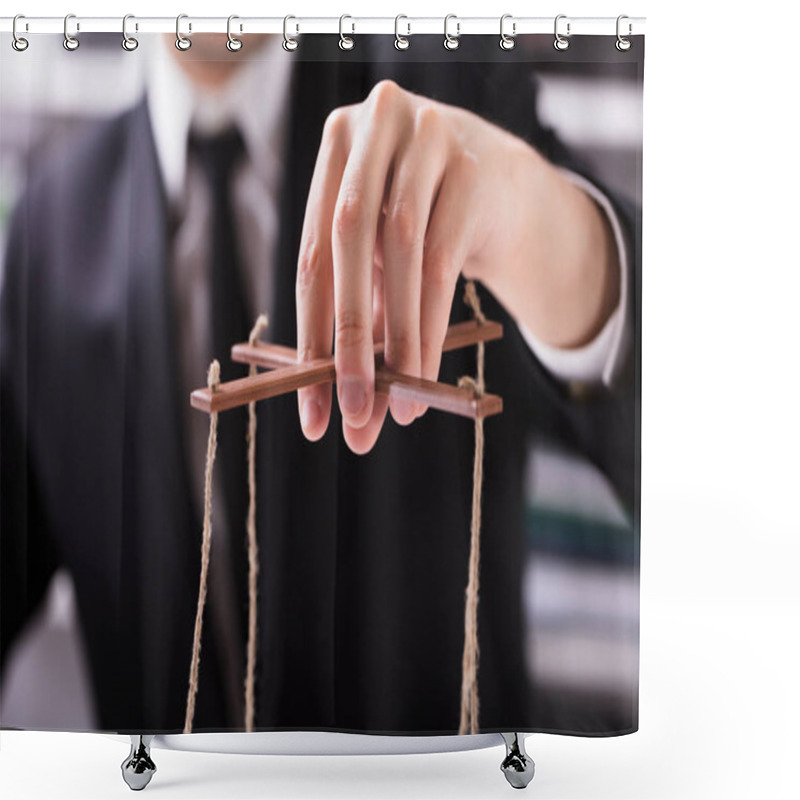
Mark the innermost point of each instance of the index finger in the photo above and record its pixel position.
(355, 225)
(314, 283)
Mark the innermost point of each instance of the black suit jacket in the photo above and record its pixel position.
(363, 559)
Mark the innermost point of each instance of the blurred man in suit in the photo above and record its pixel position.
(340, 196)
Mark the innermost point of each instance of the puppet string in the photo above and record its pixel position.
(252, 544)
(469, 662)
(205, 553)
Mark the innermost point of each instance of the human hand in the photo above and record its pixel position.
(407, 194)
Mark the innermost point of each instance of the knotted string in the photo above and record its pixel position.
(469, 662)
(205, 553)
(252, 544)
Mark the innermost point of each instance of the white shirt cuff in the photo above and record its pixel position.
(601, 359)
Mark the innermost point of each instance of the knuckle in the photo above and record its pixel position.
(348, 217)
(401, 228)
(384, 91)
(438, 270)
(310, 266)
(352, 330)
(427, 121)
(305, 352)
(383, 96)
(335, 123)
(400, 348)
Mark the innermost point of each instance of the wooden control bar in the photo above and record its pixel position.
(288, 375)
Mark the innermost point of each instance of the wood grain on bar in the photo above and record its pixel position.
(441, 396)
(290, 376)
(267, 384)
(266, 354)
(271, 356)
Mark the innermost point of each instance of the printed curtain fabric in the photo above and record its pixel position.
(358, 555)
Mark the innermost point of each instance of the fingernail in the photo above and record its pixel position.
(310, 414)
(352, 395)
(404, 411)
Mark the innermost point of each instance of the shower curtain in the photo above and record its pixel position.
(156, 199)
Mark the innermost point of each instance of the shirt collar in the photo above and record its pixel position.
(254, 99)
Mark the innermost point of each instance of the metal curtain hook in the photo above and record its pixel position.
(451, 42)
(560, 42)
(233, 44)
(507, 42)
(346, 42)
(622, 43)
(17, 42)
(400, 42)
(289, 44)
(70, 42)
(181, 42)
(128, 42)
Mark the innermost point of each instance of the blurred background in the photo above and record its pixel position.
(581, 577)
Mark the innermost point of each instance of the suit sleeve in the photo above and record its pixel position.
(599, 420)
(28, 558)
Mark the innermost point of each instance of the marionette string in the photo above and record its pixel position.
(252, 545)
(205, 554)
(470, 701)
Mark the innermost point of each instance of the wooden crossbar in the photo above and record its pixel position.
(288, 375)
(266, 354)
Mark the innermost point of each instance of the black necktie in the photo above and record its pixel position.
(230, 323)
